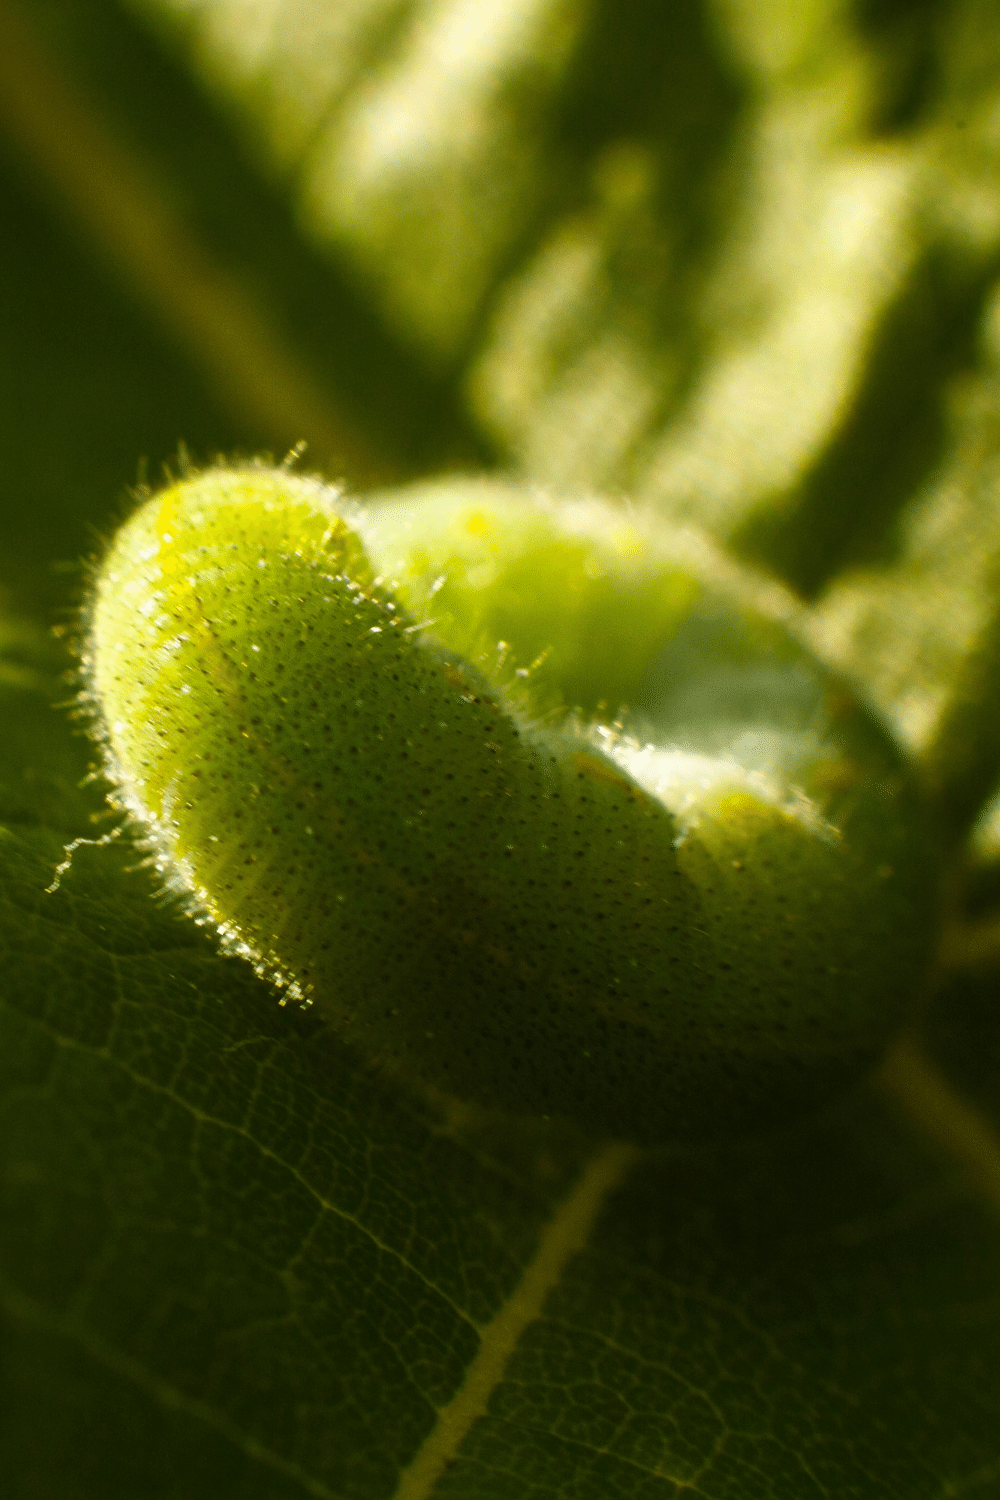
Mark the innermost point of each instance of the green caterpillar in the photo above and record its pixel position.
(363, 744)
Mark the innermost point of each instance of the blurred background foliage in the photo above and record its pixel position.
(735, 262)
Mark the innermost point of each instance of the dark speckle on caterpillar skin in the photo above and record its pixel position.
(526, 913)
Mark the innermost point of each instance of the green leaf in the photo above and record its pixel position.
(737, 263)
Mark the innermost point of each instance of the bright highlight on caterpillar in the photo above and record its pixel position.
(519, 796)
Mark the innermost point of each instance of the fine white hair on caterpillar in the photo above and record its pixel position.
(527, 801)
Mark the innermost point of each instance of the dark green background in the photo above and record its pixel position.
(234, 1260)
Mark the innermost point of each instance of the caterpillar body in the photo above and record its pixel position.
(366, 744)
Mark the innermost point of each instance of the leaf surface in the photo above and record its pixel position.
(751, 285)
